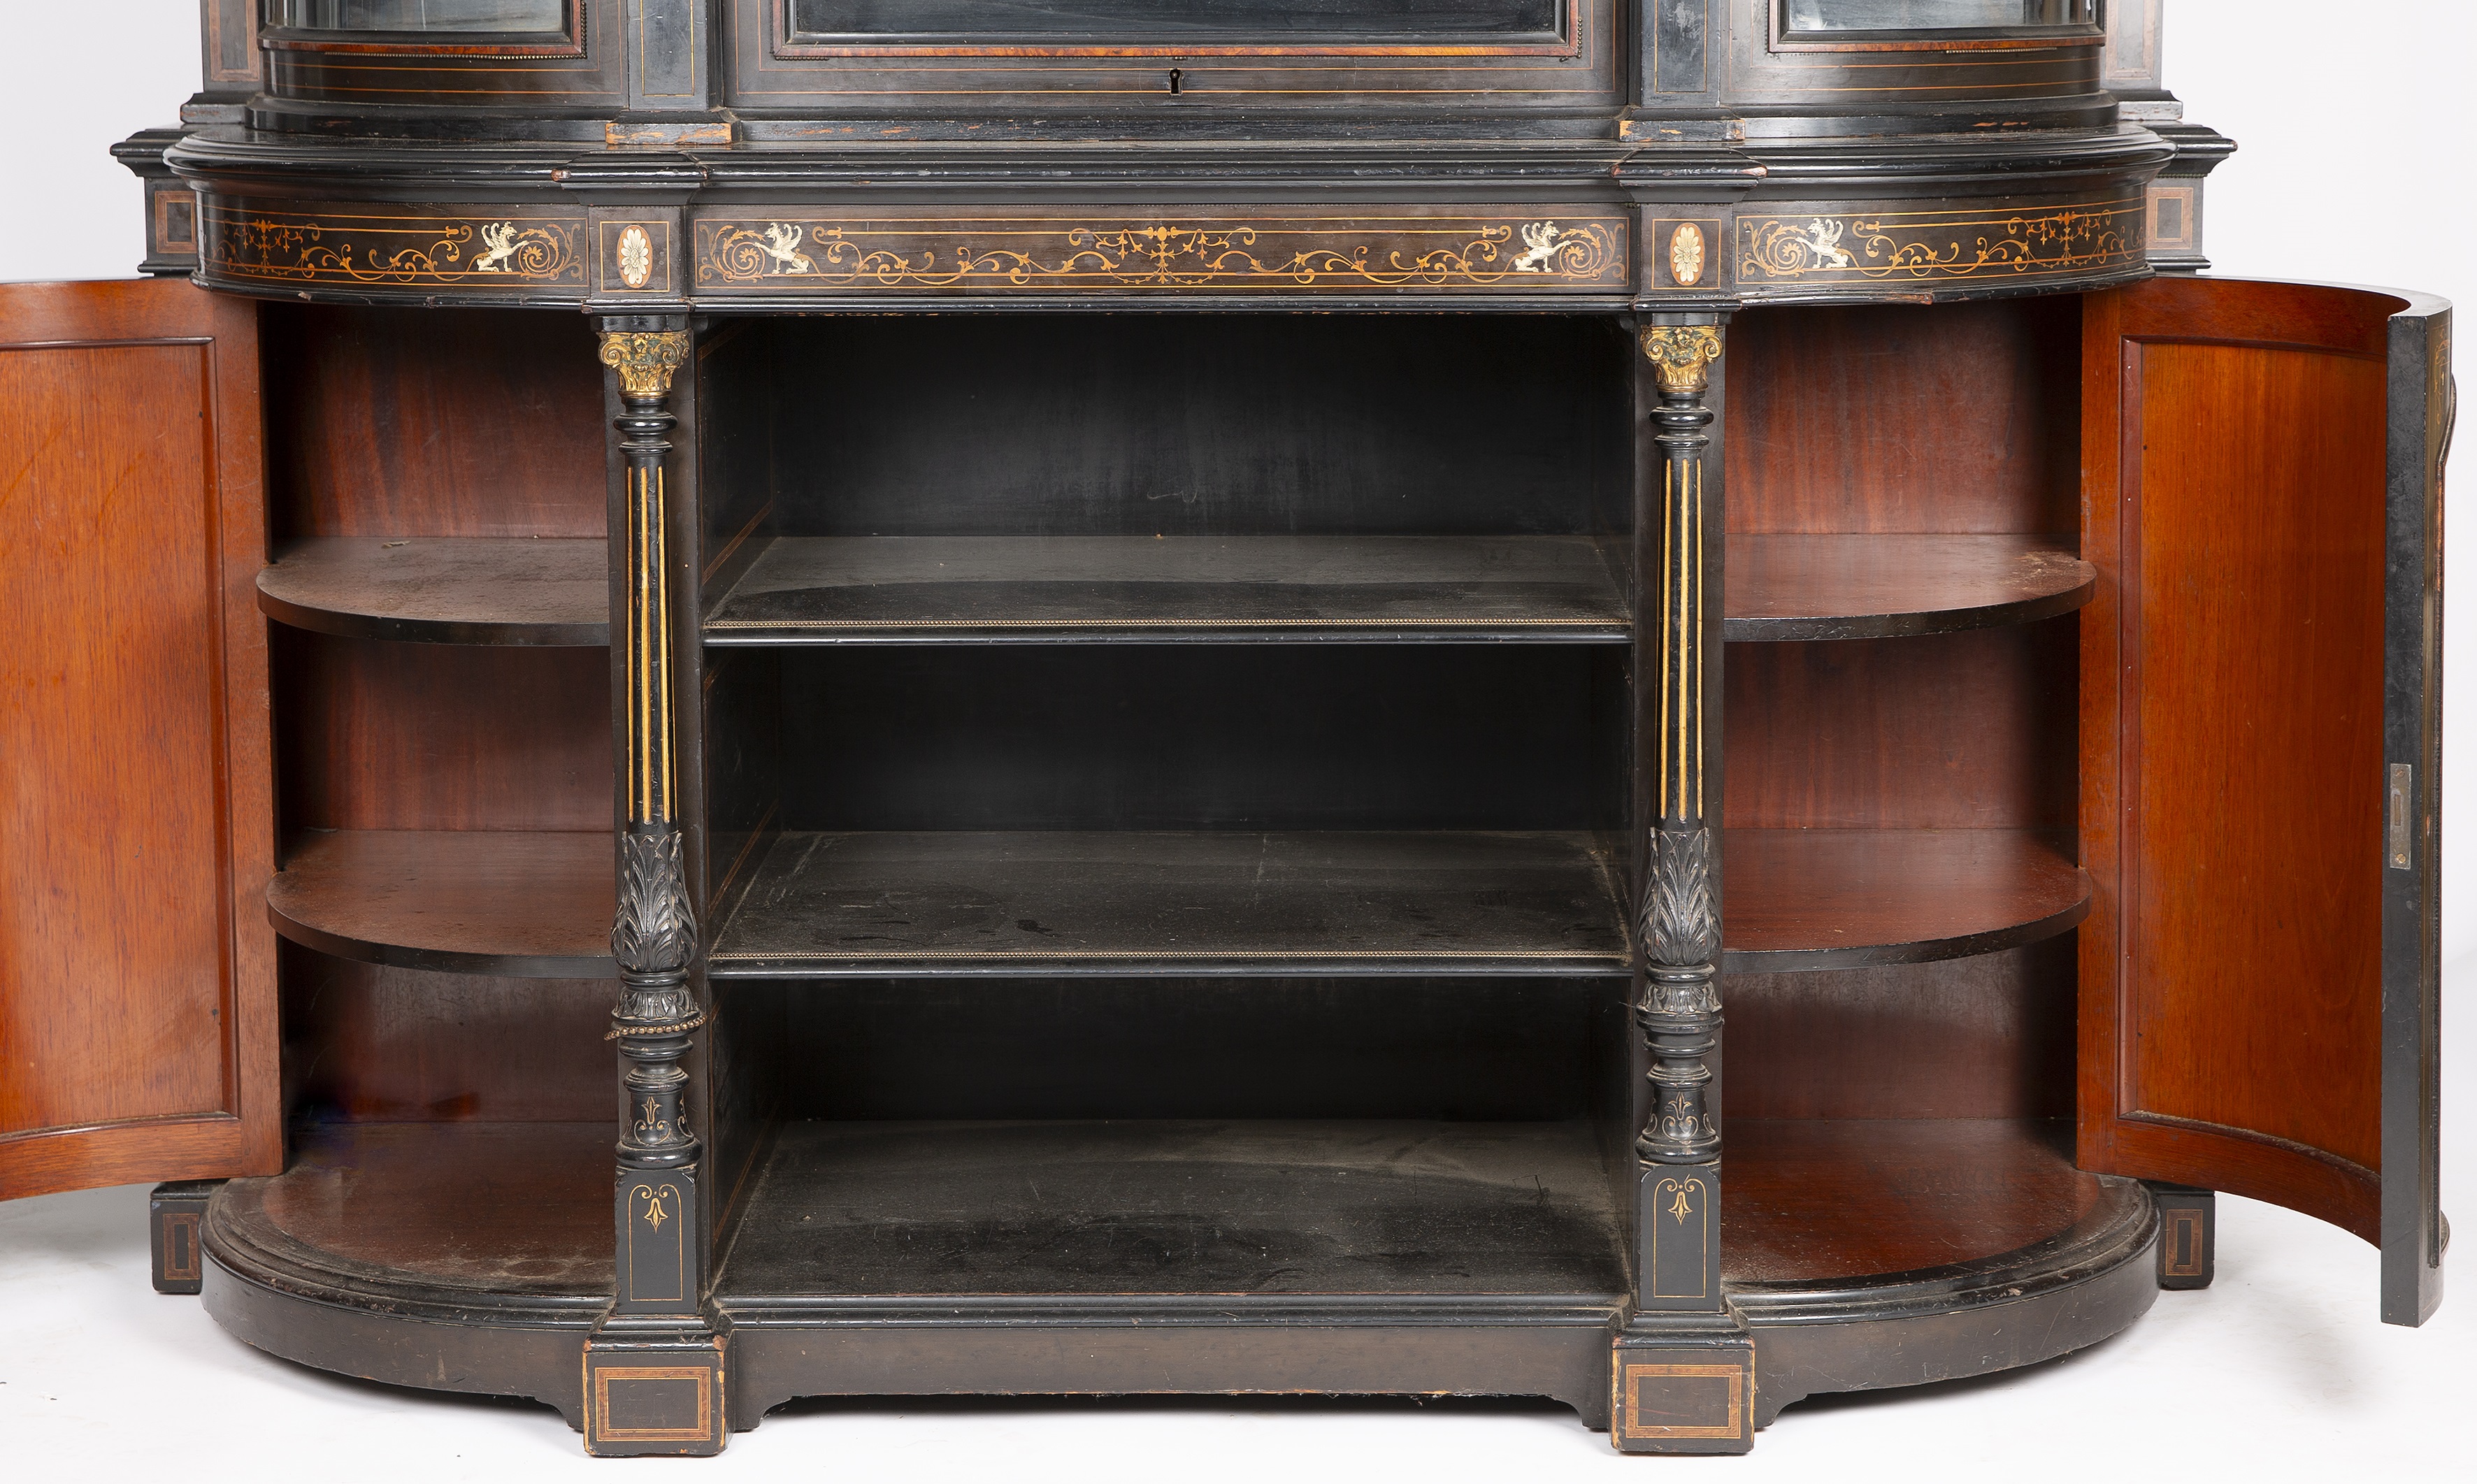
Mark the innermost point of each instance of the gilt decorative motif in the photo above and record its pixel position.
(1933, 245)
(1682, 355)
(645, 359)
(1271, 252)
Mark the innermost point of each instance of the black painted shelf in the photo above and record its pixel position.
(1174, 589)
(1179, 903)
(1147, 1209)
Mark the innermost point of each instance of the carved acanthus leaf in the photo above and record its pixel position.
(654, 932)
(1678, 925)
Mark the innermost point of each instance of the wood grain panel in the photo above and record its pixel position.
(1895, 418)
(371, 1042)
(1834, 1197)
(505, 1207)
(1989, 1036)
(1945, 731)
(2232, 737)
(376, 734)
(434, 423)
(138, 1019)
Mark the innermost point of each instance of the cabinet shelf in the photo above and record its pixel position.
(1154, 1207)
(525, 904)
(1784, 587)
(1196, 902)
(1152, 589)
(443, 590)
(821, 591)
(1840, 898)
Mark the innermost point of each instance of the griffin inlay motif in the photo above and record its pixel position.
(1276, 252)
(2035, 242)
(366, 245)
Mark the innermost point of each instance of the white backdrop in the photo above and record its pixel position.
(2356, 165)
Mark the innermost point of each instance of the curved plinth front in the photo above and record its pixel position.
(474, 1257)
(345, 1262)
(1988, 1250)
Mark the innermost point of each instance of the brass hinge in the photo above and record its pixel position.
(2402, 781)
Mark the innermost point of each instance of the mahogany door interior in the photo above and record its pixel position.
(2260, 705)
(137, 1006)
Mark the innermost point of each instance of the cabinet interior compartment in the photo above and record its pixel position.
(443, 724)
(1899, 863)
(1126, 639)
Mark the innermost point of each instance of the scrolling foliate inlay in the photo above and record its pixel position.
(370, 246)
(2034, 242)
(1277, 254)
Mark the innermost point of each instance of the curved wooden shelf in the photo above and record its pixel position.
(524, 904)
(1782, 587)
(443, 589)
(470, 1256)
(1843, 898)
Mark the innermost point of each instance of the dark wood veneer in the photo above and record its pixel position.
(1231, 901)
(1206, 589)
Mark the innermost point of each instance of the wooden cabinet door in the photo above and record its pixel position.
(137, 1006)
(2261, 750)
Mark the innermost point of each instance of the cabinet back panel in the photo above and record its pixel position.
(1897, 418)
(362, 1042)
(1984, 1037)
(1143, 425)
(1197, 737)
(432, 423)
(1461, 1048)
(1976, 729)
(372, 734)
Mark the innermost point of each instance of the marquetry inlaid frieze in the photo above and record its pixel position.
(1988, 242)
(377, 244)
(1105, 251)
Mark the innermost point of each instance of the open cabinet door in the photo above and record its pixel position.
(2261, 750)
(138, 1007)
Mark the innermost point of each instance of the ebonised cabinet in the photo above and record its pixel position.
(1120, 715)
